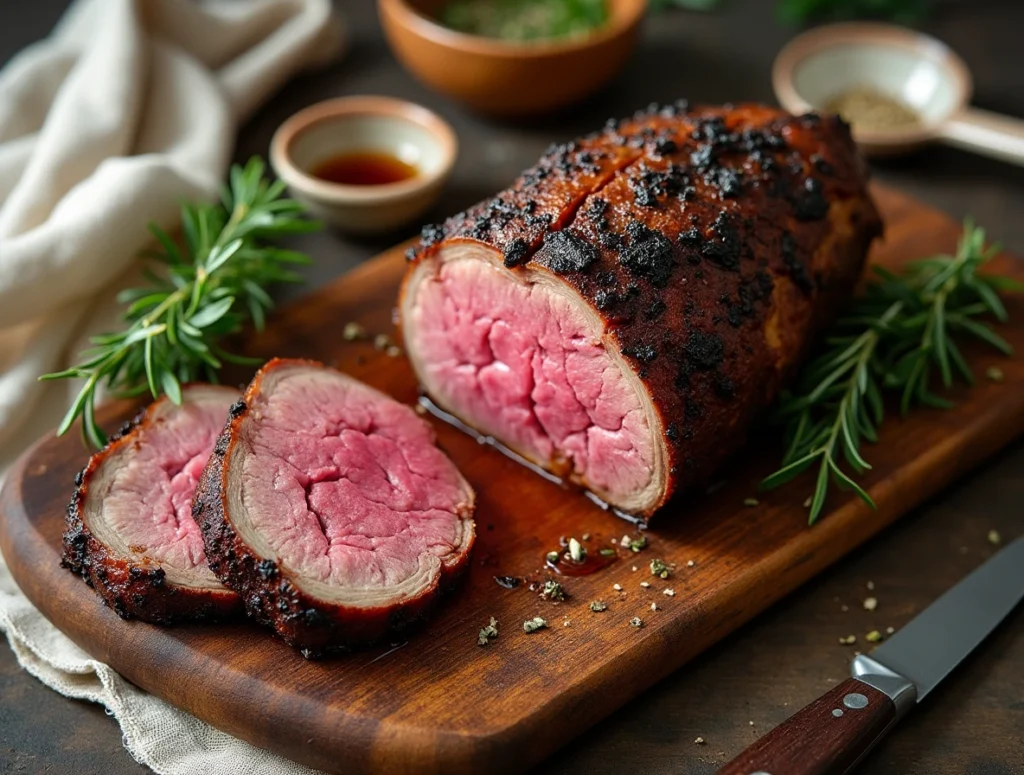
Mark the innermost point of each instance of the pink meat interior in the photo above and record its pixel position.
(149, 503)
(522, 363)
(346, 485)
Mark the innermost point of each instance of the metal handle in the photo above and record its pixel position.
(986, 133)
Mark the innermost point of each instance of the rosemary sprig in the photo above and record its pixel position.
(209, 287)
(898, 336)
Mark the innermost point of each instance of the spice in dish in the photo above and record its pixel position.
(364, 168)
(870, 109)
(524, 20)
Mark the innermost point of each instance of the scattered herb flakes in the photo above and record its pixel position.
(488, 633)
(624, 543)
(638, 544)
(870, 603)
(552, 590)
(751, 502)
(994, 538)
(597, 606)
(617, 587)
(576, 551)
(508, 582)
(382, 342)
(848, 640)
(669, 592)
(873, 637)
(660, 569)
(645, 584)
(607, 552)
(353, 331)
(553, 557)
(700, 741)
(534, 624)
(637, 622)
(994, 374)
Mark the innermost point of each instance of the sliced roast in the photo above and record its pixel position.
(130, 532)
(622, 314)
(329, 508)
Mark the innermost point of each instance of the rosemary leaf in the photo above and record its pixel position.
(205, 289)
(899, 337)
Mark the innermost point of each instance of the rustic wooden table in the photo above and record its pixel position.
(738, 690)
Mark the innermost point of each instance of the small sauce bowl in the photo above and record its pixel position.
(353, 125)
(909, 67)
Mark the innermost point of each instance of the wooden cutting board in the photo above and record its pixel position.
(438, 702)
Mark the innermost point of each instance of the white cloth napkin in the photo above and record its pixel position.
(129, 107)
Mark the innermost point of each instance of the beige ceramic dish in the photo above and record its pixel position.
(908, 66)
(401, 129)
(508, 78)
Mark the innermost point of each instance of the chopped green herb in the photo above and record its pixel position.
(352, 332)
(488, 633)
(553, 557)
(607, 552)
(994, 374)
(553, 591)
(994, 538)
(637, 544)
(597, 606)
(534, 624)
(751, 502)
(848, 640)
(873, 637)
(660, 569)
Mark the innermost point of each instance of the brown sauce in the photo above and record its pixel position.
(365, 168)
(593, 562)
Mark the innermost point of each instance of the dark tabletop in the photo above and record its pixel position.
(738, 690)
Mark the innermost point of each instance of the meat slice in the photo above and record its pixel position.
(627, 340)
(130, 532)
(329, 508)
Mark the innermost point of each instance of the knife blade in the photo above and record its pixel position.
(833, 733)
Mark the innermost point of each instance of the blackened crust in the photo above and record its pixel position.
(315, 627)
(133, 589)
(714, 244)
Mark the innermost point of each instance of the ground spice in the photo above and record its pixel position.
(869, 109)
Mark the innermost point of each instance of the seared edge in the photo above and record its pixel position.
(315, 627)
(133, 589)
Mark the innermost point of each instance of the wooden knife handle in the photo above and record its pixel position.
(827, 737)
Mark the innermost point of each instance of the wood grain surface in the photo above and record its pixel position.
(439, 702)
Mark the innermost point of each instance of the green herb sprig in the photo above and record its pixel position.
(898, 337)
(210, 286)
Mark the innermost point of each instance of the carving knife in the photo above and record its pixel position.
(833, 733)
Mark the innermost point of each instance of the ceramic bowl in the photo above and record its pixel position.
(400, 129)
(504, 78)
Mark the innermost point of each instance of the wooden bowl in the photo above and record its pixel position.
(505, 78)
